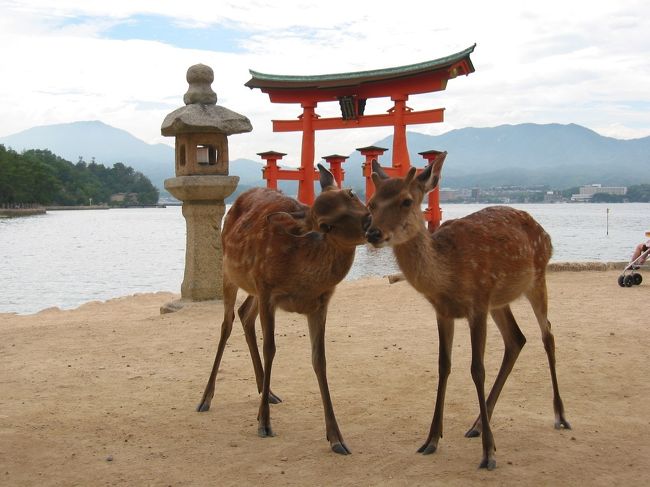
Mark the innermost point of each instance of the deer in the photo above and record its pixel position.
(468, 268)
(287, 255)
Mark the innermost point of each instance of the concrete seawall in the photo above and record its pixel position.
(586, 266)
(16, 212)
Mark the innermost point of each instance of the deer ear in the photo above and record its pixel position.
(376, 169)
(376, 179)
(410, 175)
(430, 176)
(326, 178)
(294, 223)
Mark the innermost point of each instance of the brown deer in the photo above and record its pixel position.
(467, 268)
(290, 256)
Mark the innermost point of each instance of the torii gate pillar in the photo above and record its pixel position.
(306, 182)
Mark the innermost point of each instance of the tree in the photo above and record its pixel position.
(607, 198)
(567, 193)
(39, 176)
(639, 193)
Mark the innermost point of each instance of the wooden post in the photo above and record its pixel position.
(270, 171)
(433, 214)
(401, 160)
(371, 152)
(335, 161)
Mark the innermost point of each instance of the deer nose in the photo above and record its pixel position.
(366, 222)
(373, 235)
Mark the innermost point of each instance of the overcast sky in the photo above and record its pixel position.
(124, 62)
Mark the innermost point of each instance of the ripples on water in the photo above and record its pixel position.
(66, 258)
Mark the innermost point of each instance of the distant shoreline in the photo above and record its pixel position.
(78, 207)
(102, 207)
(18, 212)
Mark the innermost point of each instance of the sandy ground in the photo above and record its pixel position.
(105, 395)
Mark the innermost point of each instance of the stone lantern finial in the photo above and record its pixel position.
(200, 78)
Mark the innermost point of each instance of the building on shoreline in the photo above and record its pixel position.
(587, 192)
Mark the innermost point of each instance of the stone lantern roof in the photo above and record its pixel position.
(201, 114)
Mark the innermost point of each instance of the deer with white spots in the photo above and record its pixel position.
(467, 268)
(287, 255)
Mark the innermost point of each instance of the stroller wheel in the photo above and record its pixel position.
(637, 279)
(629, 280)
(621, 280)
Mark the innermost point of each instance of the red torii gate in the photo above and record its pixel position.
(352, 90)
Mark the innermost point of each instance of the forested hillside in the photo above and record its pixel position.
(41, 177)
(96, 140)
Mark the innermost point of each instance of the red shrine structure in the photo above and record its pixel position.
(351, 91)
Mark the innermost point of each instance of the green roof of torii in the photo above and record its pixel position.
(265, 80)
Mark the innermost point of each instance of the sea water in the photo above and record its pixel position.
(67, 258)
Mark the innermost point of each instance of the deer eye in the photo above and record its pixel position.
(372, 206)
(407, 203)
(325, 228)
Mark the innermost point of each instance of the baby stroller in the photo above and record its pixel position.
(629, 277)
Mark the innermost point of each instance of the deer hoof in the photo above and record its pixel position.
(473, 433)
(428, 449)
(265, 432)
(562, 423)
(475, 430)
(488, 463)
(273, 399)
(341, 449)
(203, 407)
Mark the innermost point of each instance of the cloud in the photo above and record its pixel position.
(124, 62)
(183, 35)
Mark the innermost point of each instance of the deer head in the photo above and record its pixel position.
(336, 213)
(395, 206)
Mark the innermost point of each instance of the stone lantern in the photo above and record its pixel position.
(202, 183)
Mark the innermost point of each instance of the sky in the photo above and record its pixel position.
(124, 62)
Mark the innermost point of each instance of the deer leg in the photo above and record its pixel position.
(539, 301)
(248, 312)
(316, 322)
(513, 341)
(267, 318)
(445, 341)
(478, 326)
(229, 296)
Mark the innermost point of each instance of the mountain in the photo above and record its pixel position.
(559, 156)
(556, 155)
(108, 145)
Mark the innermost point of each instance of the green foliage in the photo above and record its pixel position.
(38, 176)
(607, 198)
(639, 193)
(567, 193)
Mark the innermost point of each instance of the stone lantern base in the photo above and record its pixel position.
(203, 208)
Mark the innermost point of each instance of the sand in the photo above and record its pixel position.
(105, 395)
